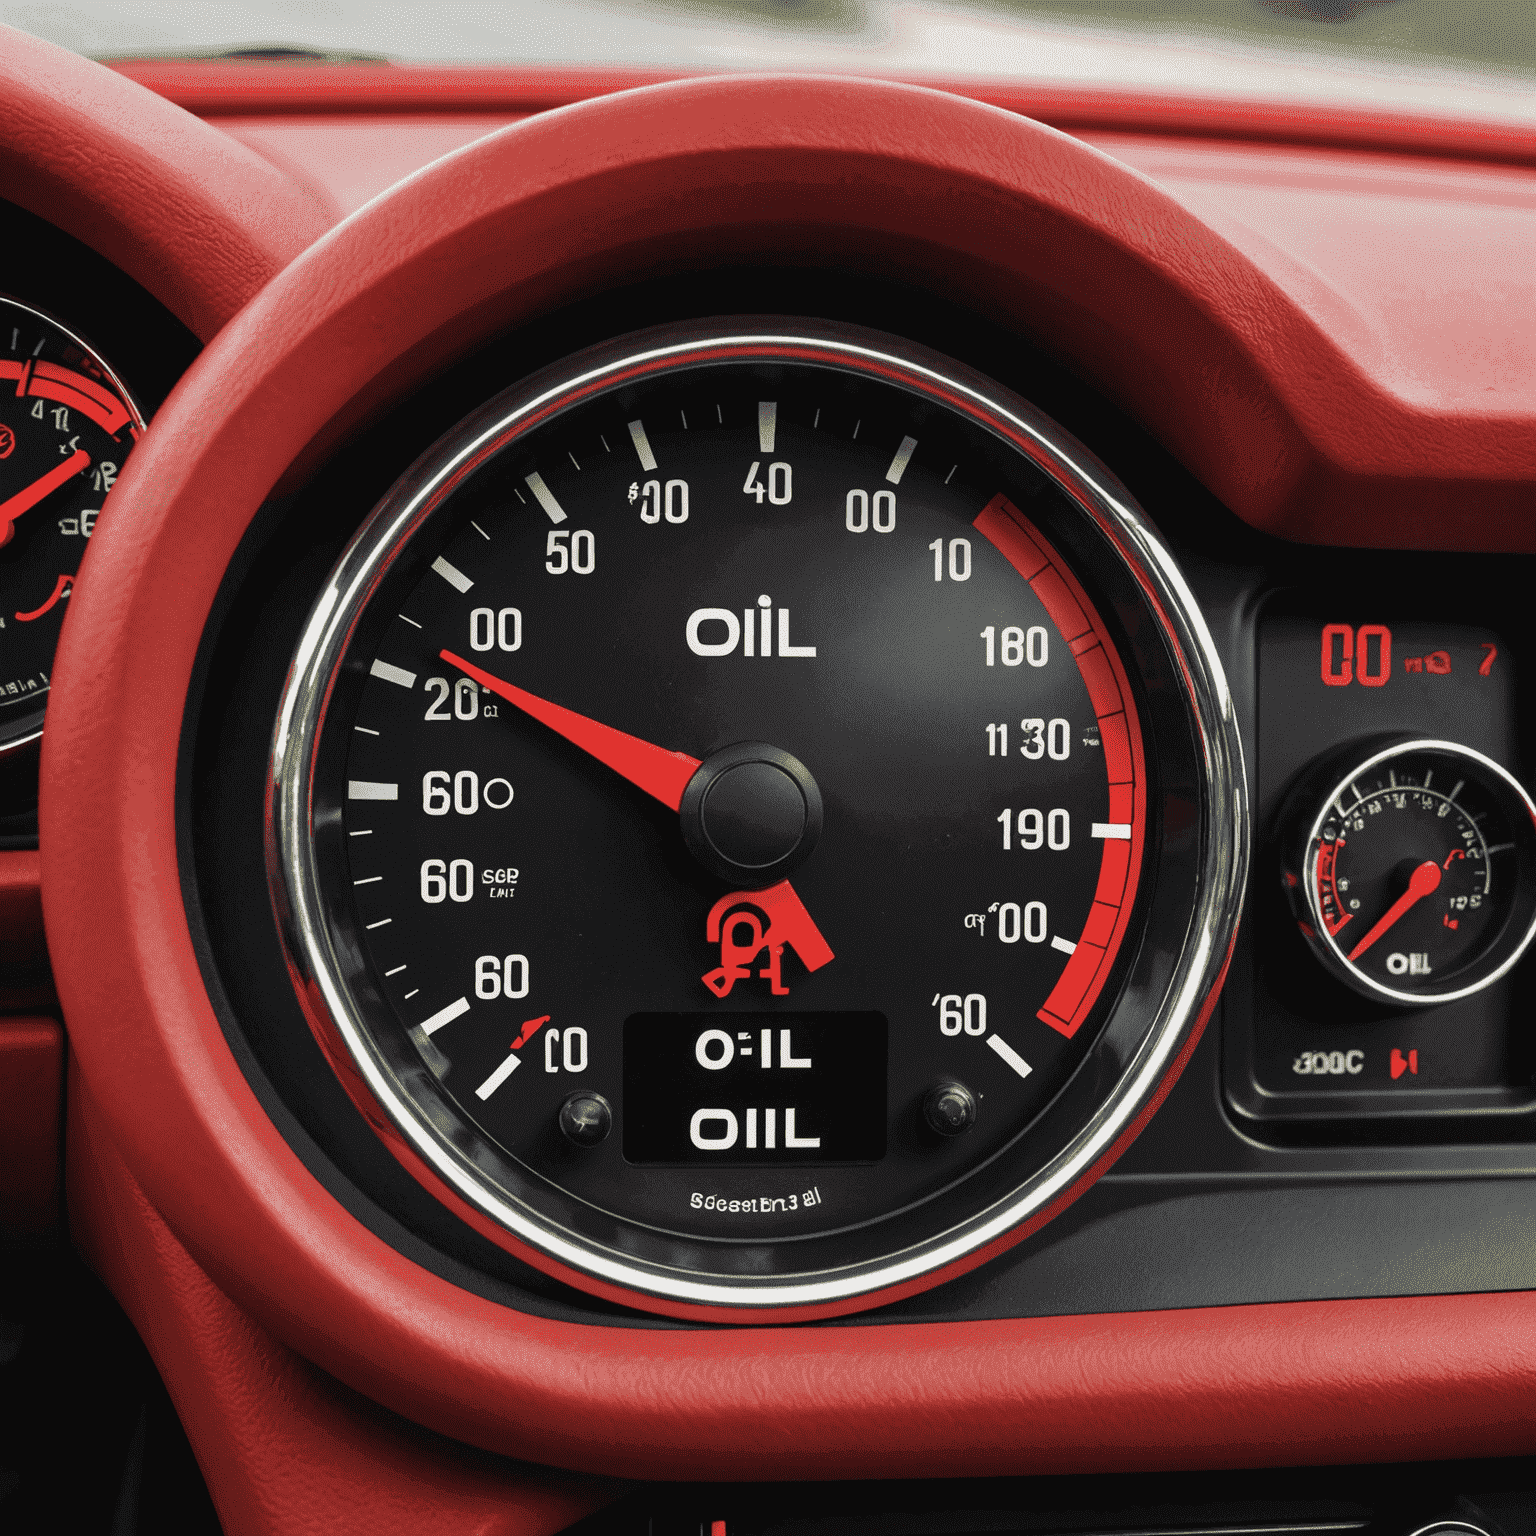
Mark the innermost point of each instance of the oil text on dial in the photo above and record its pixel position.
(752, 633)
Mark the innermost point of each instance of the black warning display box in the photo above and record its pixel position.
(754, 1089)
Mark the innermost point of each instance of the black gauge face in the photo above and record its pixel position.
(1419, 873)
(67, 426)
(734, 804)
(708, 560)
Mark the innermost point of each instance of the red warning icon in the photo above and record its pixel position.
(1401, 1063)
(787, 923)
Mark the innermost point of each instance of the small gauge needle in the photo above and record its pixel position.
(1420, 883)
(655, 770)
(28, 497)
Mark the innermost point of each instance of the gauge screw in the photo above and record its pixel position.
(586, 1118)
(949, 1108)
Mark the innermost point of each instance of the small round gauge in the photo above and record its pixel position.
(717, 814)
(67, 426)
(1414, 880)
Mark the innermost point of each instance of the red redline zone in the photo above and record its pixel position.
(1327, 861)
(1082, 979)
(49, 381)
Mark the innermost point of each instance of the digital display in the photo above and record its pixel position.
(759, 1089)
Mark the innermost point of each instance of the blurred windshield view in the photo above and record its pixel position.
(1472, 56)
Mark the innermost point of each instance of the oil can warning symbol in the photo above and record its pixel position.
(752, 924)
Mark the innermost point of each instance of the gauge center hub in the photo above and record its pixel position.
(751, 811)
(753, 815)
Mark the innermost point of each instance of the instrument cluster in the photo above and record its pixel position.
(750, 813)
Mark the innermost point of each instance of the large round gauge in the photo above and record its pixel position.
(757, 810)
(1414, 871)
(67, 425)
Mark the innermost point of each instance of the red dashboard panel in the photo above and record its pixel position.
(199, 221)
(1243, 375)
(284, 1448)
(32, 1068)
(1302, 1384)
(1397, 242)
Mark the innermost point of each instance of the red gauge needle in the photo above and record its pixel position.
(655, 770)
(28, 497)
(665, 775)
(1420, 883)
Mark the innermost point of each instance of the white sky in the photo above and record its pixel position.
(881, 35)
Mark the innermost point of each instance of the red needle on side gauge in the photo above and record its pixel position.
(655, 770)
(29, 496)
(1420, 883)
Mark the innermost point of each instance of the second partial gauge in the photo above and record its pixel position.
(1412, 870)
(67, 426)
(719, 804)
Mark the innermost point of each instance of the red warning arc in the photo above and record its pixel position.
(61, 589)
(1093, 953)
(51, 381)
(1330, 908)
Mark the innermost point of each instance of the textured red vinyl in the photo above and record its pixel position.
(289, 1449)
(197, 219)
(975, 201)
(21, 910)
(1410, 375)
(1417, 268)
(31, 1124)
(347, 161)
(285, 1448)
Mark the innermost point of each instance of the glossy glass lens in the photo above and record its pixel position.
(729, 806)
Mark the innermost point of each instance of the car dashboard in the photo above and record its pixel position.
(769, 803)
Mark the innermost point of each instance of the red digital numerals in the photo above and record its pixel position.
(1353, 655)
